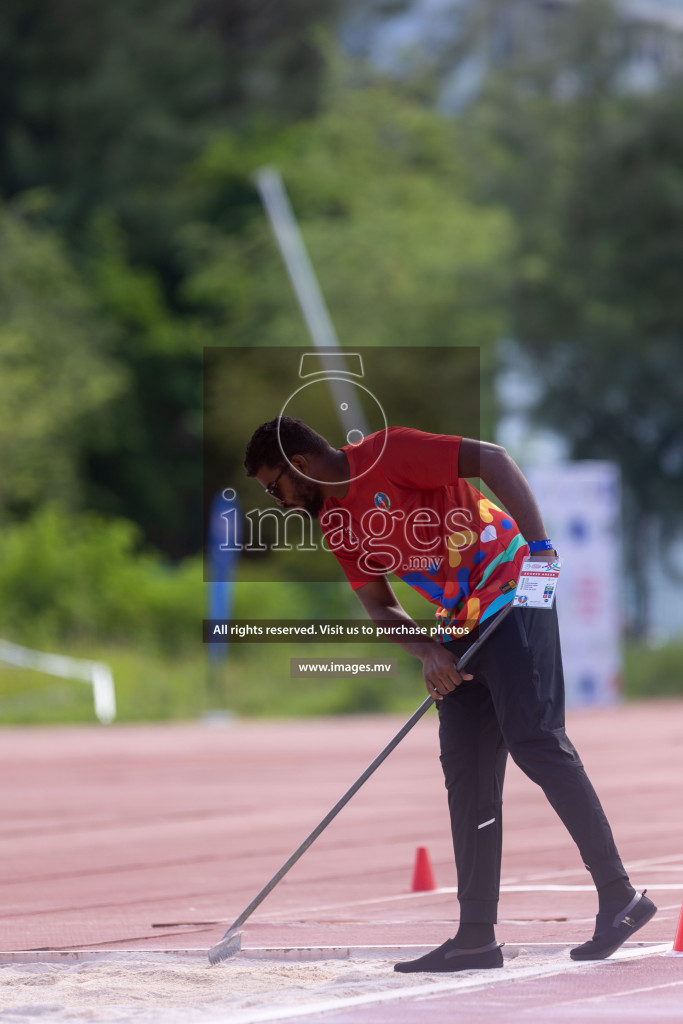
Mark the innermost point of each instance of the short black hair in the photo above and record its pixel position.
(296, 438)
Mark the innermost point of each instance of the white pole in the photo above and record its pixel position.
(308, 293)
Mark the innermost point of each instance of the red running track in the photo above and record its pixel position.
(158, 836)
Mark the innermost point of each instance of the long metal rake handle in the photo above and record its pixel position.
(382, 756)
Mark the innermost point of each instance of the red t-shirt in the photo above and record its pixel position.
(407, 511)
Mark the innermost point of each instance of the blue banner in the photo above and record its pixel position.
(224, 548)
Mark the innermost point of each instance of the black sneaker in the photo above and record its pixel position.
(608, 937)
(449, 958)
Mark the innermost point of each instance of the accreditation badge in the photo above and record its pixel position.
(536, 585)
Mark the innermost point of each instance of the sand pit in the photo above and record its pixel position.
(256, 986)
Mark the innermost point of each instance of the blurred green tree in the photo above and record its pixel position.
(57, 374)
(591, 170)
(104, 104)
(143, 455)
(102, 110)
(404, 253)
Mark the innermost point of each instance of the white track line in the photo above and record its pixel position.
(617, 995)
(303, 954)
(429, 991)
(656, 887)
(445, 891)
(632, 866)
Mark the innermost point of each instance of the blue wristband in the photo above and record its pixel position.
(540, 545)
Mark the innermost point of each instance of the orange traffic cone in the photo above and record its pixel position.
(678, 941)
(423, 876)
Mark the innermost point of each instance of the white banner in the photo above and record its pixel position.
(581, 507)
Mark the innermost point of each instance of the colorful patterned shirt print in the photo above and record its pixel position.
(408, 512)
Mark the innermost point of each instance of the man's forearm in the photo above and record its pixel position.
(439, 666)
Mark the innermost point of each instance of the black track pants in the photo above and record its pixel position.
(515, 705)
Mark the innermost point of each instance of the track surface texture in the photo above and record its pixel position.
(125, 852)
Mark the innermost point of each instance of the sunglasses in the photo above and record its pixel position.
(272, 489)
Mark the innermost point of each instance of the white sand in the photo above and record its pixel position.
(139, 988)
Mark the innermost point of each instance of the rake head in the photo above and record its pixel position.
(227, 947)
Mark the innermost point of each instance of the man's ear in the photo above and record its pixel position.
(300, 464)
